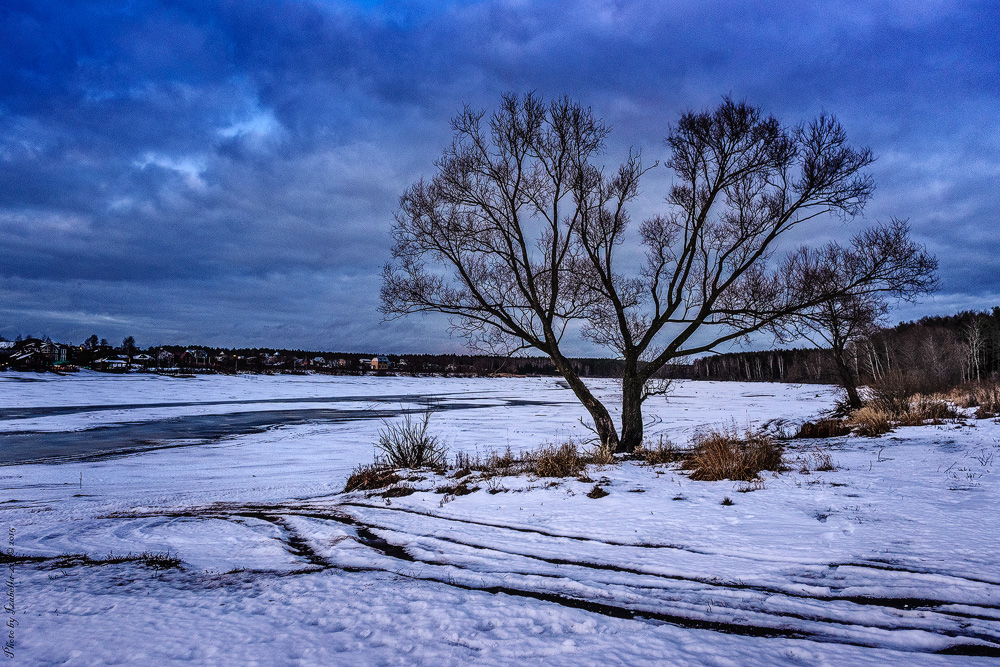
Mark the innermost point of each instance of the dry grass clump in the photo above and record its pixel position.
(562, 461)
(870, 421)
(460, 489)
(899, 407)
(984, 396)
(408, 444)
(398, 491)
(602, 456)
(661, 452)
(597, 492)
(369, 477)
(893, 392)
(816, 460)
(824, 428)
(725, 453)
(493, 464)
(922, 408)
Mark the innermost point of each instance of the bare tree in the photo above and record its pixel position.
(975, 338)
(516, 237)
(892, 266)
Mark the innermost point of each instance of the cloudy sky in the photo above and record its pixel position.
(226, 173)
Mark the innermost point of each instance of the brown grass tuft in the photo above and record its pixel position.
(602, 456)
(984, 396)
(597, 492)
(824, 428)
(658, 453)
(923, 408)
(870, 421)
(815, 460)
(368, 477)
(724, 453)
(398, 491)
(562, 461)
(460, 489)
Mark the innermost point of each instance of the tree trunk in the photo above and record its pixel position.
(603, 423)
(631, 412)
(847, 379)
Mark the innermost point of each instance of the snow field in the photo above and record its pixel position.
(890, 558)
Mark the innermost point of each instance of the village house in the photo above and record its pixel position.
(142, 360)
(195, 358)
(109, 365)
(165, 359)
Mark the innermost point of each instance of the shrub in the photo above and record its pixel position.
(823, 428)
(726, 454)
(870, 421)
(892, 392)
(409, 445)
(368, 477)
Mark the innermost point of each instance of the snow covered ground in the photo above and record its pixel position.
(892, 557)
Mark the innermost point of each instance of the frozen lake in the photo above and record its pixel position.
(86, 415)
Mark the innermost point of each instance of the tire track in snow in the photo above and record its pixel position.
(401, 549)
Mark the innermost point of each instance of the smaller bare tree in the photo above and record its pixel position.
(895, 267)
(975, 338)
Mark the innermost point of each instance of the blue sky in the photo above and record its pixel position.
(226, 172)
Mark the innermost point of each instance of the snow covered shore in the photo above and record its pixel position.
(892, 557)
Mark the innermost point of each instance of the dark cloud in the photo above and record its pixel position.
(227, 172)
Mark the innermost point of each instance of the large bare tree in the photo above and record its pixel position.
(517, 237)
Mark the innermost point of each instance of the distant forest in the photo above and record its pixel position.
(941, 351)
(933, 352)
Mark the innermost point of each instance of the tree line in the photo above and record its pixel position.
(930, 354)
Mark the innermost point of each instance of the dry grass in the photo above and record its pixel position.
(562, 461)
(984, 396)
(369, 477)
(816, 460)
(870, 421)
(658, 453)
(725, 453)
(824, 428)
(880, 415)
(602, 456)
(597, 492)
(398, 491)
(922, 409)
(493, 464)
(460, 489)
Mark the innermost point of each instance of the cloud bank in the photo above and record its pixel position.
(227, 172)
